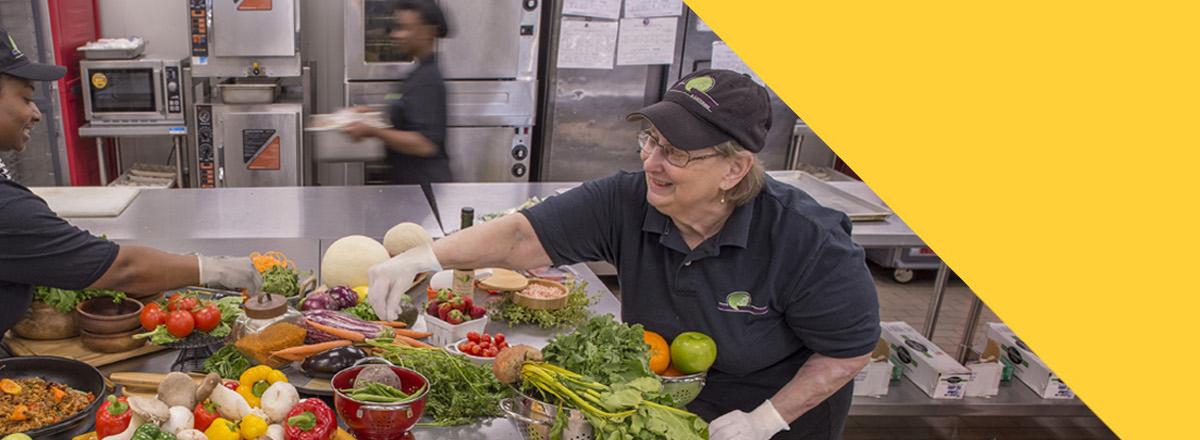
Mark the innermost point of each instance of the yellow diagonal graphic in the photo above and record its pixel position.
(1046, 150)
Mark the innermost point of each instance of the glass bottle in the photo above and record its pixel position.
(464, 279)
(268, 325)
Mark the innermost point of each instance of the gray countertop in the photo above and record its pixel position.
(288, 212)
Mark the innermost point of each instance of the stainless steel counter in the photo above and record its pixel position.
(287, 212)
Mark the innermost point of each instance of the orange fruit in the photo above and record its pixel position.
(671, 372)
(660, 351)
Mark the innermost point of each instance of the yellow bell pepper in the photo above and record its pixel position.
(252, 427)
(255, 381)
(222, 429)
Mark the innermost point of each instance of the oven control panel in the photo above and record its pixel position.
(198, 19)
(173, 90)
(205, 155)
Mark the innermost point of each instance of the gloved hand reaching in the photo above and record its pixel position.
(229, 273)
(760, 424)
(391, 279)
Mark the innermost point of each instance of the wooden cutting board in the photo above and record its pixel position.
(73, 349)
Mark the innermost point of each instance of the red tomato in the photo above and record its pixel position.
(207, 318)
(188, 303)
(152, 316)
(473, 336)
(463, 347)
(485, 338)
(173, 302)
(180, 323)
(503, 345)
(499, 338)
(490, 352)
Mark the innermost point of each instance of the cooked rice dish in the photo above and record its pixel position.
(35, 403)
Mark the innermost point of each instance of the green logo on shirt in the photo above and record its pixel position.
(737, 300)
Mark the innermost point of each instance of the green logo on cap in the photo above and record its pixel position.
(700, 84)
(16, 52)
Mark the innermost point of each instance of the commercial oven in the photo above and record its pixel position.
(489, 62)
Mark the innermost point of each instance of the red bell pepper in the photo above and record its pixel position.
(113, 416)
(311, 419)
(204, 414)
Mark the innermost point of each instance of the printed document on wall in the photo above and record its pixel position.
(647, 41)
(610, 9)
(653, 8)
(584, 44)
(724, 58)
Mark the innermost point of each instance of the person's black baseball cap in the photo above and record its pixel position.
(709, 107)
(14, 62)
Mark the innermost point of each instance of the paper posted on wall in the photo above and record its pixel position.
(647, 41)
(587, 44)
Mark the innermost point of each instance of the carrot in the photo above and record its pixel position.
(410, 341)
(341, 333)
(303, 351)
(411, 333)
(392, 324)
(58, 394)
(19, 413)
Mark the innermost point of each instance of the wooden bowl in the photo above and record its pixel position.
(114, 343)
(44, 323)
(532, 303)
(101, 316)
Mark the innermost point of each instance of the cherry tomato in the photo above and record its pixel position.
(473, 336)
(153, 316)
(499, 338)
(180, 323)
(490, 352)
(207, 318)
(463, 347)
(173, 302)
(188, 304)
(502, 346)
(485, 338)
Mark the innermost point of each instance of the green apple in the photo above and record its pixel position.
(693, 352)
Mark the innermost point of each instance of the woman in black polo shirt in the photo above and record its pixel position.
(417, 139)
(701, 226)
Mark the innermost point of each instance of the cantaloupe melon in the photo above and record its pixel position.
(347, 260)
(405, 236)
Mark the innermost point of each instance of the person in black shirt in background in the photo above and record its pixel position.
(37, 247)
(417, 140)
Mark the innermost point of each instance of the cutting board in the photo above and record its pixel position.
(72, 348)
(87, 201)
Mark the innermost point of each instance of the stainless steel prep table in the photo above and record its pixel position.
(284, 212)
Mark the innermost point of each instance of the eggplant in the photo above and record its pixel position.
(343, 297)
(319, 301)
(327, 363)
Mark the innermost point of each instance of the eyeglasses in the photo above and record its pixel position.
(678, 158)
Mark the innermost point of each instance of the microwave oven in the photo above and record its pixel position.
(138, 90)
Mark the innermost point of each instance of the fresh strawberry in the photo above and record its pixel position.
(455, 317)
(444, 310)
(467, 305)
(477, 312)
(433, 308)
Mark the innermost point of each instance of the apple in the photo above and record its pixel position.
(693, 352)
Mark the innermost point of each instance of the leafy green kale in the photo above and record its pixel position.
(603, 349)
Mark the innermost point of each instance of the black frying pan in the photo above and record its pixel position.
(69, 372)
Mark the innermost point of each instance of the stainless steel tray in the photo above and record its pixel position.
(249, 93)
(92, 53)
(832, 197)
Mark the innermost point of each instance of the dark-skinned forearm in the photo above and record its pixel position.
(142, 270)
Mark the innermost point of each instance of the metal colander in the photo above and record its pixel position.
(684, 389)
(534, 419)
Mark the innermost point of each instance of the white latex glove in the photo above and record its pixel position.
(391, 279)
(760, 424)
(230, 273)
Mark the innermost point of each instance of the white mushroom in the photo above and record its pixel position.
(135, 421)
(274, 432)
(212, 380)
(178, 389)
(150, 409)
(230, 404)
(181, 419)
(190, 434)
(278, 399)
